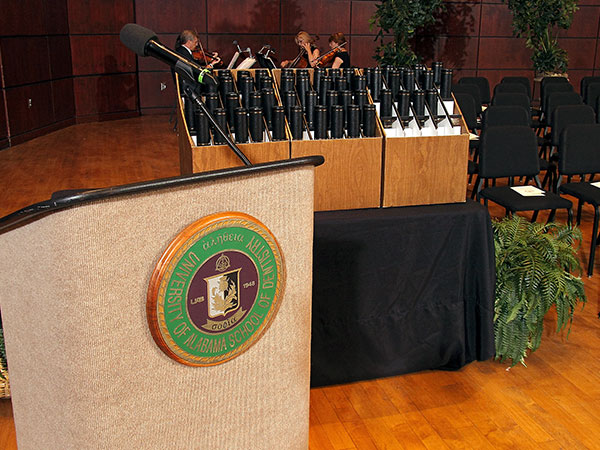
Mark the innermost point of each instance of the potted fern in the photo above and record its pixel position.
(536, 267)
(539, 22)
(400, 20)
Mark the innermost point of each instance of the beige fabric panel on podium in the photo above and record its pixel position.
(85, 371)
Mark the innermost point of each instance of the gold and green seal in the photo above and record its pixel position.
(216, 289)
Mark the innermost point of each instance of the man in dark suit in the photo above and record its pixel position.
(186, 43)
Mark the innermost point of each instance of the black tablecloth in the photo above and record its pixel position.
(399, 290)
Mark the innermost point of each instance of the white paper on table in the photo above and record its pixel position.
(596, 184)
(528, 191)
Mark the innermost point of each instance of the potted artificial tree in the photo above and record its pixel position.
(536, 267)
(400, 19)
(539, 22)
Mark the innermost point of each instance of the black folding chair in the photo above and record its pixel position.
(511, 152)
(482, 83)
(580, 155)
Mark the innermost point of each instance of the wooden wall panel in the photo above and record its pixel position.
(25, 60)
(23, 118)
(60, 56)
(363, 51)
(585, 23)
(458, 19)
(158, 90)
(513, 53)
(315, 16)
(99, 54)
(172, 17)
(105, 94)
(581, 52)
(99, 16)
(243, 16)
(63, 99)
(496, 20)
(22, 18)
(362, 11)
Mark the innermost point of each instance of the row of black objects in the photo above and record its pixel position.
(417, 98)
(408, 79)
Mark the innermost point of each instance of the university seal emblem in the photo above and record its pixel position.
(215, 290)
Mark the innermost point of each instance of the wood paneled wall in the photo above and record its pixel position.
(66, 56)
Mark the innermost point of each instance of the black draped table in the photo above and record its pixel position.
(399, 290)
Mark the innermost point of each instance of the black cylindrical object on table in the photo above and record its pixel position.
(404, 103)
(393, 82)
(369, 120)
(340, 84)
(211, 100)
(334, 73)
(286, 71)
(409, 80)
(326, 85)
(368, 71)
(418, 101)
(240, 125)
(245, 87)
(320, 122)
(318, 74)
(353, 121)
(360, 99)
(337, 122)
(345, 99)
(331, 98)
(202, 128)
(302, 87)
(255, 99)
(260, 73)
(190, 115)
(288, 99)
(431, 99)
(446, 85)
(232, 101)
(427, 80)
(436, 67)
(255, 123)
(309, 108)
(268, 101)
(376, 84)
(419, 70)
(278, 119)
(225, 86)
(295, 120)
(385, 103)
(221, 118)
(359, 83)
(287, 83)
(264, 82)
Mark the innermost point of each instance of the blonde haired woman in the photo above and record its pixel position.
(308, 51)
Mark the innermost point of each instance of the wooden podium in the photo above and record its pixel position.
(85, 371)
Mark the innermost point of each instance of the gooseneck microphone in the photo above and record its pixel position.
(144, 42)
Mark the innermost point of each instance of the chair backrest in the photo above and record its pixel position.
(495, 116)
(522, 80)
(579, 149)
(472, 90)
(560, 98)
(512, 99)
(508, 151)
(552, 88)
(584, 83)
(511, 87)
(482, 83)
(546, 81)
(592, 91)
(467, 105)
(565, 115)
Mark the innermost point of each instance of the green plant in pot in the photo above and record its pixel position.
(539, 22)
(536, 268)
(399, 20)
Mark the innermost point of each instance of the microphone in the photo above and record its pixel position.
(144, 42)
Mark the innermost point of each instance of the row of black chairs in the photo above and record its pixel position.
(568, 139)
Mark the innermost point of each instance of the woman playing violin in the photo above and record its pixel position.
(308, 51)
(341, 57)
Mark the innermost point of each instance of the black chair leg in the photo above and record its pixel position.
(594, 240)
(570, 217)
(534, 217)
(551, 216)
(579, 207)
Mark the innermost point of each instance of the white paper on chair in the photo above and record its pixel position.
(528, 191)
(596, 183)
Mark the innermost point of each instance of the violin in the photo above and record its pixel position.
(208, 58)
(328, 57)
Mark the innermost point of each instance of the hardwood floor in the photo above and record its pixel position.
(552, 403)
